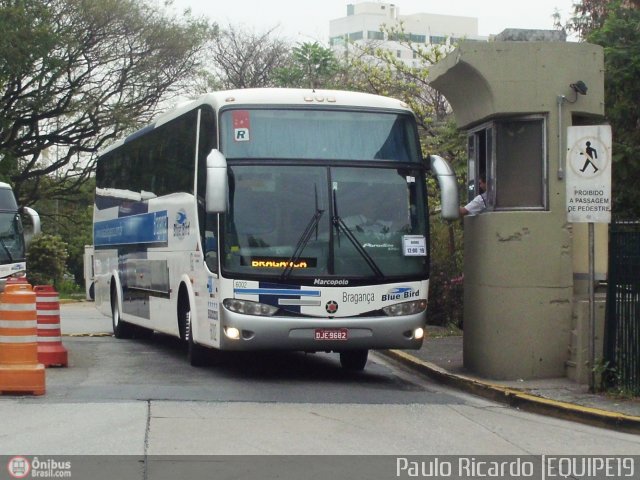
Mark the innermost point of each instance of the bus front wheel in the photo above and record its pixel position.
(196, 354)
(121, 329)
(354, 360)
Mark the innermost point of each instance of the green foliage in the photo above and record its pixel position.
(378, 70)
(74, 74)
(46, 259)
(70, 289)
(588, 15)
(310, 66)
(446, 280)
(620, 37)
(26, 36)
(609, 380)
(71, 218)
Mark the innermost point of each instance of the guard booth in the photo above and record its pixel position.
(525, 267)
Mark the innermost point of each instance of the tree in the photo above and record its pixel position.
(71, 218)
(614, 26)
(379, 70)
(75, 74)
(244, 59)
(590, 15)
(620, 37)
(310, 66)
(46, 257)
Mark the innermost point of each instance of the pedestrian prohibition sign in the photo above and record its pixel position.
(589, 174)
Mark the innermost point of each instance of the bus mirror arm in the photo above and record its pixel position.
(217, 182)
(448, 187)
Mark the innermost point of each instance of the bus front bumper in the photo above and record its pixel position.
(320, 334)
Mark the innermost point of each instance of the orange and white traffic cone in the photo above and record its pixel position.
(20, 371)
(50, 349)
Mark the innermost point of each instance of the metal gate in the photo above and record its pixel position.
(622, 326)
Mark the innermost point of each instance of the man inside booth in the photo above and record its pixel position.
(479, 202)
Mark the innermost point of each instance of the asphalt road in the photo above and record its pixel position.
(141, 398)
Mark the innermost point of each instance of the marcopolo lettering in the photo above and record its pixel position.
(332, 283)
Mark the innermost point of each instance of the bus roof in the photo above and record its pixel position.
(272, 97)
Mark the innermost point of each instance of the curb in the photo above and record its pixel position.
(521, 399)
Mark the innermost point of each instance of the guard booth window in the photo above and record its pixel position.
(511, 153)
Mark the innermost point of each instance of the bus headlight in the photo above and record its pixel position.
(249, 308)
(405, 308)
(232, 332)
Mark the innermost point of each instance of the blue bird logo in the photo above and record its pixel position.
(400, 290)
(181, 217)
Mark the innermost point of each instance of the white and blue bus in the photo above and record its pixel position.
(269, 219)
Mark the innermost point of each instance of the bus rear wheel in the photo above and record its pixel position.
(354, 360)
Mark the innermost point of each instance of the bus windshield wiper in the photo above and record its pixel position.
(340, 225)
(302, 243)
(8, 252)
(304, 238)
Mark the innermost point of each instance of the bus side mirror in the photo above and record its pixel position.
(448, 187)
(217, 183)
(32, 228)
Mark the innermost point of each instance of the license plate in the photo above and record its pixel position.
(331, 334)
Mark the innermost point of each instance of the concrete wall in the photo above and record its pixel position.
(517, 295)
(578, 365)
(482, 80)
(519, 265)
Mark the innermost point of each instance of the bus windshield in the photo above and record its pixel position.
(316, 221)
(304, 134)
(11, 238)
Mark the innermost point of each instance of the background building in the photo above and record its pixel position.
(364, 21)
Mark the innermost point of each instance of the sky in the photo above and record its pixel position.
(308, 20)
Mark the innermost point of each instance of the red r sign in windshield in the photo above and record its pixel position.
(241, 125)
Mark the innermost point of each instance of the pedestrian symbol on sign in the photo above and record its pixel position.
(588, 157)
(591, 155)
